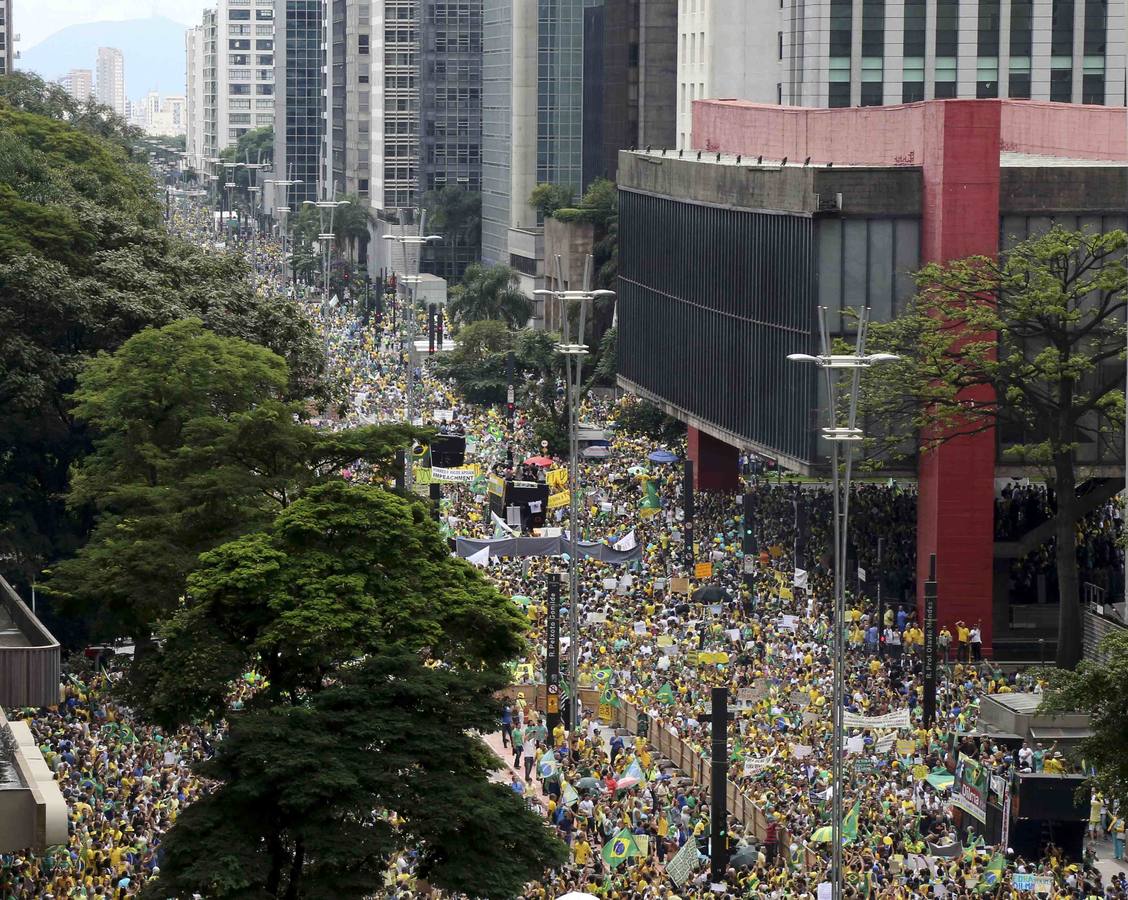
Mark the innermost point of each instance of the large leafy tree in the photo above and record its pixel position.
(194, 443)
(1096, 687)
(456, 214)
(1033, 342)
(391, 737)
(489, 292)
(85, 262)
(382, 653)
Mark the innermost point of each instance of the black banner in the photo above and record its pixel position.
(930, 644)
(552, 654)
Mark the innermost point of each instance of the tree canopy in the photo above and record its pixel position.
(1096, 687)
(490, 292)
(85, 262)
(1032, 342)
(194, 443)
(382, 653)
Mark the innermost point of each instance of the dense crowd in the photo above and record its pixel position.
(646, 638)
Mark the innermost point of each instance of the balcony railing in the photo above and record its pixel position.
(29, 655)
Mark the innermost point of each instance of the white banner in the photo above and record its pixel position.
(899, 719)
(684, 862)
(452, 476)
(800, 578)
(885, 744)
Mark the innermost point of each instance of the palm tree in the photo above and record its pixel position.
(350, 227)
(489, 292)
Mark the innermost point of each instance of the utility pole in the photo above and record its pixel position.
(573, 321)
(832, 365)
(718, 785)
(930, 601)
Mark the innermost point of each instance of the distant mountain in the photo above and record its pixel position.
(153, 50)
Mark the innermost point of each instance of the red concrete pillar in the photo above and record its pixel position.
(716, 465)
(955, 516)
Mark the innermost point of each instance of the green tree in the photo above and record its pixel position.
(547, 198)
(489, 292)
(382, 653)
(1096, 687)
(456, 214)
(194, 443)
(389, 736)
(350, 226)
(85, 262)
(1032, 342)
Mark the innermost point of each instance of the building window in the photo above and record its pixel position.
(1061, 85)
(988, 42)
(947, 28)
(362, 44)
(912, 91)
(1093, 88)
(1061, 33)
(840, 21)
(1019, 85)
(838, 94)
(872, 93)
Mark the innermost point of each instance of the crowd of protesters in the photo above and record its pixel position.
(649, 640)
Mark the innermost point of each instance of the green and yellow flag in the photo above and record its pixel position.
(602, 677)
(665, 694)
(850, 823)
(993, 874)
(620, 847)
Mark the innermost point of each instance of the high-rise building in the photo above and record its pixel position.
(79, 83)
(630, 81)
(7, 37)
(194, 98)
(842, 53)
(110, 85)
(450, 119)
(237, 84)
(562, 82)
(298, 104)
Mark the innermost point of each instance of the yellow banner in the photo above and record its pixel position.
(556, 478)
(555, 501)
(703, 570)
(497, 485)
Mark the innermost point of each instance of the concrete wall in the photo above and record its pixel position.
(33, 815)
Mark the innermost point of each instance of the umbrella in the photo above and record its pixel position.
(521, 599)
(744, 858)
(711, 593)
(626, 782)
(587, 783)
(576, 895)
(637, 470)
(543, 461)
(662, 456)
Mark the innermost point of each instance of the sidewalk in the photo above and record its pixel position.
(1106, 865)
(504, 774)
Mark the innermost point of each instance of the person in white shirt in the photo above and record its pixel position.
(976, 641)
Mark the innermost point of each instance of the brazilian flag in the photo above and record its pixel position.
(602, 677)
(850, 823)
(665, 694)
(993, 874)
(619, 848)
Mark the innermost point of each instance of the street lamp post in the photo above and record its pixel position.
(253, 189)
(573, 349)
(833, 364)
(410, 279)
(283, 211)
(326, 237)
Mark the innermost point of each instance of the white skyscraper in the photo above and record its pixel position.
(233, 50)
(7, 37)
(194, 100)
(110, 87)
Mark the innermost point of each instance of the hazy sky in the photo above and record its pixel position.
(36, 19)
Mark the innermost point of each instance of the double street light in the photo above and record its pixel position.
(573, 323)
(409, 276)
(326, 236)
(833, 364)
(282, 210)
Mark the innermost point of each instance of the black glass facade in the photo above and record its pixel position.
(711, 301)
(450, 104)
(302, 120)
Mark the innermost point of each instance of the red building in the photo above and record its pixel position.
(946, 179)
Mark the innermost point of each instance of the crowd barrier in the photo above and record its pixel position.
(689, 762)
